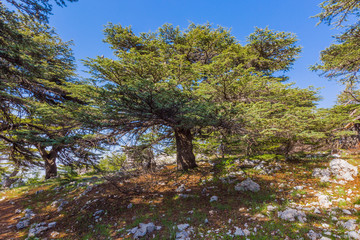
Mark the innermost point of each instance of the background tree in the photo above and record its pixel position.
(341, 62)
(38, 92)
(37, 9)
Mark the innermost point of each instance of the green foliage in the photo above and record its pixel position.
(112, 162)
(35, 179)
(340, 61)
(37, 9)
(39, 97)
(201, 80)
(68, 172)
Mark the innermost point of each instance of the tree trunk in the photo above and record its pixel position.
(50, 161)
(185, 157)
(50, 167)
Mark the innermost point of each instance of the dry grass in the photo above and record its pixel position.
(155, 199)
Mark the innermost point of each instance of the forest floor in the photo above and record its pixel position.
(179, 204)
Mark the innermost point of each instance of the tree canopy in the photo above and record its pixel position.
(184, 81)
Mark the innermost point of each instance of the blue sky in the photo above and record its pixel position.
(83, 22)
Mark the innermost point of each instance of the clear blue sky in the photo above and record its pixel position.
(84, 21)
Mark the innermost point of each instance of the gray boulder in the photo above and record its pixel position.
(292, 214)
(343, 170)
(214, 199)
(37, 228)
(29, 214)
(324, 201)
(354, 235)
(22, 224)
(182, 227)
(323, 174)
(181, 188)
(248, 185)
(349, 225)
(313, 235)
(143, 229)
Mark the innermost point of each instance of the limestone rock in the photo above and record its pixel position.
(22, 224)
(248, 185)
(181, 188)
(37, 228)
(354, 235)
(239, 232)
(214, 199)
(143, 229)
(324, 201)
(182, 227)
(292, 214)
(313, 235)
(323, 174)
(343, 170)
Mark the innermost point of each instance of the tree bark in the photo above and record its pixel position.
(50, 161)
(185, 157)
(50, 167)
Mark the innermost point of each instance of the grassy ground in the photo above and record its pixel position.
(154, 199)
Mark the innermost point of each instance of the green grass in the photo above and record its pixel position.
(220, 206)
(323, 184)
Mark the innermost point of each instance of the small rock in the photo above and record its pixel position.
(182, 195)
(313, 235)
(349, 225)
(214, 199)
(29, 214)
(292, 214)
(23, 224)
(346, 212)
(271, 208)
(239, 232)
(323, 174)
(38, 192)
(182, 235)
(325, 238)
(354, 235)
(181, 188)
(144, 229)
(99, 212)
(62, 205)
(246, 232)
(182, 227)
(52, 224)
(324, 201)
(54, 234)
(36, 229)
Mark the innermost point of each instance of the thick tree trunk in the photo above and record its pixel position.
(184, 149)
(50, 161)
(50, 167)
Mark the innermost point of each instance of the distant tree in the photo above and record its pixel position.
(185, 81)
(341, 62)
(38, 94)
(37, 9)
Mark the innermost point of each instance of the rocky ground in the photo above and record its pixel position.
(317, 197)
